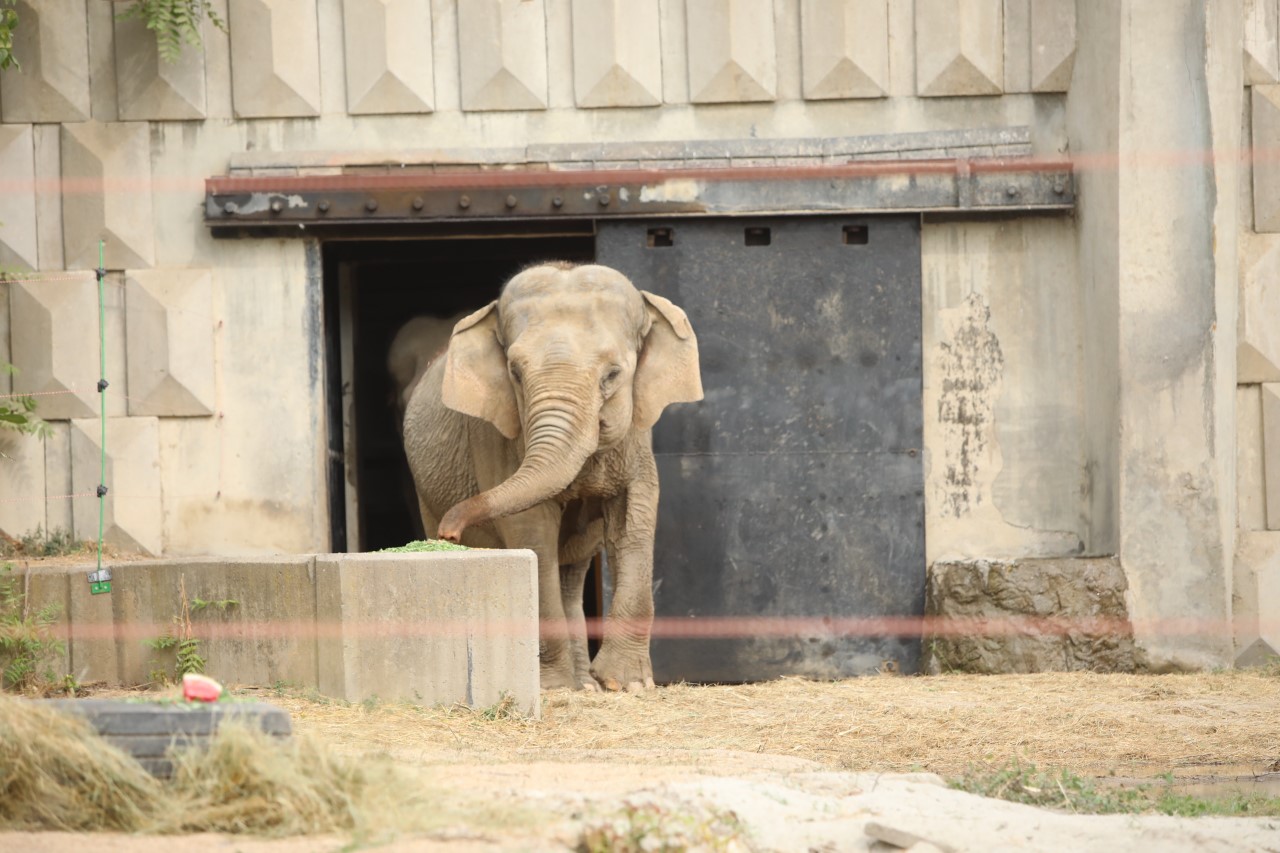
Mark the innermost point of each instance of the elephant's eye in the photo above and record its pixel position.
(516, 376)
(612, 375)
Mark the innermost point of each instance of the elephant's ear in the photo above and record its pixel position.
(475, 372)
(667, 368)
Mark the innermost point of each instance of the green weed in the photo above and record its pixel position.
(645, 827)
(26, 642)
(42, 543)
(1066, 791)
(503, 709)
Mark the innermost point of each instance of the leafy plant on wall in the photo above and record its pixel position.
(17, 412)
(8, 20)
(174, 22)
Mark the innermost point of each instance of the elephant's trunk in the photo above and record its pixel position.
(563, 431)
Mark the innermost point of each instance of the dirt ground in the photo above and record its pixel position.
(803, 765)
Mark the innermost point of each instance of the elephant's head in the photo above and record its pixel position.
(570, 359)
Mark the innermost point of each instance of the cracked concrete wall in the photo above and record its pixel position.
(1006, 466)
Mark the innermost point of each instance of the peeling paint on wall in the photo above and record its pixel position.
(970, 366)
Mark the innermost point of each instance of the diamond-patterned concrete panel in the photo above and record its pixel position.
(732, 51)
(1271, 452)
(106, 173)
(1039, 45)
(22, 504)
(1258, 336)
(52, 43)
(845, 48)
(132, 511)
(1251, 488)
(502, 46)
(389, 56)
(275, 58)
(1053, 44)
(959, 47)
(1261, 41)
(617, 53)
(1266, 170)
(169, 339)
(54, 339)
(151, 88)
(18, 199)
(1257, 597)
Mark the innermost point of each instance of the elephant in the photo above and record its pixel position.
(533, 430)
(416, 344)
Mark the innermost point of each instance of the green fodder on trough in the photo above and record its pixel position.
(57, 774)
(423, 545)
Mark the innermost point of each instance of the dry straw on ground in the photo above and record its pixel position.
(56, 774)
(364, 770)
(1092, 724)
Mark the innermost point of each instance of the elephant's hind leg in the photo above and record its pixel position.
(572, 581)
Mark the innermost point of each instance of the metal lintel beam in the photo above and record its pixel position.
(287, 202)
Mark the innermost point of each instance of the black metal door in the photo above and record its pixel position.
(794, 490)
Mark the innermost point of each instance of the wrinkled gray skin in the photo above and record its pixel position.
(533, 431)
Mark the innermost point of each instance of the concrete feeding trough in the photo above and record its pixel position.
(428, 628)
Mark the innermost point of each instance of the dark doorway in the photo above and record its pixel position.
(377, 286)
(793, 491)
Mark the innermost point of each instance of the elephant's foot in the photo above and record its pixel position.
(558, 678)
(622, 668)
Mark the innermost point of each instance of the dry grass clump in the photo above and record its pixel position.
(247, 782)
(57, 774)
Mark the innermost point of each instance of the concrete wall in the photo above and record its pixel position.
(439, 628)
(217, 440)
(1082, 375)
(1256, 571)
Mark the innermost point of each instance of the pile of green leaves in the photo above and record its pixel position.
(423, 545)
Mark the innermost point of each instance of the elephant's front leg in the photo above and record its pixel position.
(538, 529)
(623, 660)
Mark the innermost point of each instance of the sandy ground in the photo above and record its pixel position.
(801, 765)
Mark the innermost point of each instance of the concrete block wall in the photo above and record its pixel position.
(101, 139)
(431, 629)
(1256, 590)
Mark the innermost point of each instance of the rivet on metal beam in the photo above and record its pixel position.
(557, 202)
(1059, 185)
(228, 208)
(511, 201)
(323, 206)
(418, 203)
(602, 196)
(277, 205)
(371, 205)
(464, 201)
(1011, 191)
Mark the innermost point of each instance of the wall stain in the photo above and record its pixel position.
(970, 365)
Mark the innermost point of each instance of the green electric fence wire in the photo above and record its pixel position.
(98, 582)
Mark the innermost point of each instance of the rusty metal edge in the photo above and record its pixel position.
(998, 184)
